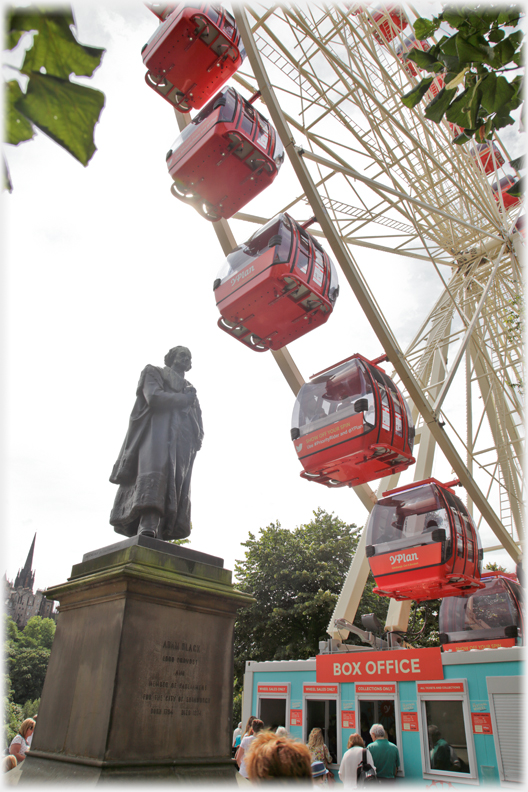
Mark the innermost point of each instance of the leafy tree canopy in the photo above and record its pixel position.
(477, 60)
(64, 110)
(10, 629)
(37, 634)
(27, 671)
(27, 655)
(296, 578)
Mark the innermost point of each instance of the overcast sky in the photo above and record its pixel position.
(105, 271)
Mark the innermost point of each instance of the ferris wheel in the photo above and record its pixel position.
(378, 176)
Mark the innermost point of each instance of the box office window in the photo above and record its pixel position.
(272, 711)
(448, 750)
(447, 741)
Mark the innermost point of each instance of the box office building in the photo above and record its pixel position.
(472, 698)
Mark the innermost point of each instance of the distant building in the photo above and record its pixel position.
(20, 601)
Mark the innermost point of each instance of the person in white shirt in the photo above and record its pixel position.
(352, 759)
(255, 728)
(19, 745)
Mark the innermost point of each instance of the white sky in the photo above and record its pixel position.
(103, 272)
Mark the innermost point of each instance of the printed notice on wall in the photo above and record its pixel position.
(409, 721)
(481, 723)
(348, 719)
(296, 717)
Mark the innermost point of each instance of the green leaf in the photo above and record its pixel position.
(448, 45)
(502, 118)
(435, 110)
(496, 92)
(425, 60)
(509, 17)
(488, 129)
(464, 110)
(463, 137)
(516, 38)
(518, 162)
(7, 183)
(453, 79)
(503, 53)
(471, 51)
(496, 35)
(518, 58)
(18, 128)
(55, 48)
(65, 111)
(423, 28)
(13, 38)
(412, 98)
(453, 17)
(517, 189)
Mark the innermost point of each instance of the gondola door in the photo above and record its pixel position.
(467, 552)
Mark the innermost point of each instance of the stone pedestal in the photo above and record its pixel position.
(140, 680)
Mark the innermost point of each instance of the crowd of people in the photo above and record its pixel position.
(265, 754)
(272, 754)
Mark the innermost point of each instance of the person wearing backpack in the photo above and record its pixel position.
(349, 770)
(385, 754)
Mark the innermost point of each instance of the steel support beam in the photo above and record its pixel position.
(351, 273)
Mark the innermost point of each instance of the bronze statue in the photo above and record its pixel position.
(155, 463)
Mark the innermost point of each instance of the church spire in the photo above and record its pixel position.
(26, 577)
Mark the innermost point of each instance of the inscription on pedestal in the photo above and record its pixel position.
(178, 692)
(173, 680)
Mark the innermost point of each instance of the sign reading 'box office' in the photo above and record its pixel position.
(395, 665)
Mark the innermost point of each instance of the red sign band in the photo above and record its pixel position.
(393, 665)
(467, 645)
(402, 560)
(321, 689)
(441, 687)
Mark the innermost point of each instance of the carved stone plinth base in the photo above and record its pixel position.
(140, 679)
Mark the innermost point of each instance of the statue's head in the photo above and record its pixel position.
(179, 355)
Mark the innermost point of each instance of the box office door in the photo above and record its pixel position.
(377, 711)
(272, 711)
(322, 713)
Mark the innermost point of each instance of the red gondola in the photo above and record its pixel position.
(422, 543)
(504, 186)
(162, 10)
(192, 54)
(489, 156)
(276, 287)
(391, 20)
(494, 613)
(226, 156)
(351, 425)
